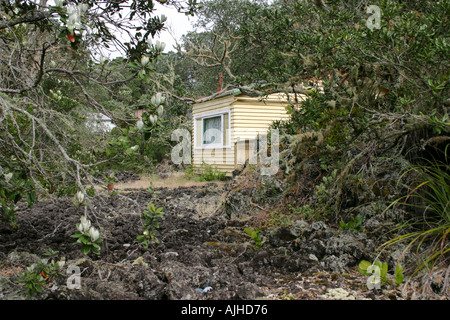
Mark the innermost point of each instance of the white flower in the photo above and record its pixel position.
(94, 233)
(79, 196)
(159, 46)
(73, 23)
(140, 124)
(75, 12)
(134, 148)
(145, 60)
(71, 9)
(374, 281)
(8, 177)
(160, 111)
(61, 264)
(80, 227)
(153, 119)
(163, 18)
(59, 3)
(157, 99)
(85, 224)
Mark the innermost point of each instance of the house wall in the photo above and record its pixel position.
(252, 116)
(222, 158)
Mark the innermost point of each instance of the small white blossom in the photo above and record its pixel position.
(160, 111)
(159, 46)
(94, 233)
(157, 100)
(8, 177)
(153, 119)
(75, 12)
(85, 224)
(140, 124)
(79, 196)
(145, 60)
(61, 264)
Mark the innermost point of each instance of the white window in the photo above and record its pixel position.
(212, 130)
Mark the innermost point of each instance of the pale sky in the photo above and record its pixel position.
(177, 24)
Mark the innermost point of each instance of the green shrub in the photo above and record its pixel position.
(378, 273)
(150, 223)
(256, 237)
(88, 236)
(38, 275)
(210, 173)
(14, 186)
(430, 193)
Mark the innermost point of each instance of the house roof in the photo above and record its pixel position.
(233, 92)
(241, 91)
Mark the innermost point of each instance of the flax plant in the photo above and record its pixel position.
(430, 193)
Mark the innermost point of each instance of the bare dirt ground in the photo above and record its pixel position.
(200, 245)
(175, 180)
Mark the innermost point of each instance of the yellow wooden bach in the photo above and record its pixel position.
(222, 122)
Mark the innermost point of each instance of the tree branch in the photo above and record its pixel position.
(27, 19)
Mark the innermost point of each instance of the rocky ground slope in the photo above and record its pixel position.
(202, 243)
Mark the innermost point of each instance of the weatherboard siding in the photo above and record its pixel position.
(220, 158)
(253, 117)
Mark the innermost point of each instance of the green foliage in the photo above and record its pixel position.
(279, 218)
(38, 275)
(14, 186)
(379, 270)
(208, 172)
(304, 212)
(430, 193)
(440, 124)
(399, 277)
(256, 237)
(151, 190)
(267, 189)
(190, 172)
(145, 143)
(324, 194)
(150, 217)
(88, 236)
(354, 224)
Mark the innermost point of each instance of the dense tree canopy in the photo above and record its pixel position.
(55, 75)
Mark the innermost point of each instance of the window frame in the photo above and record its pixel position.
(202, 117)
